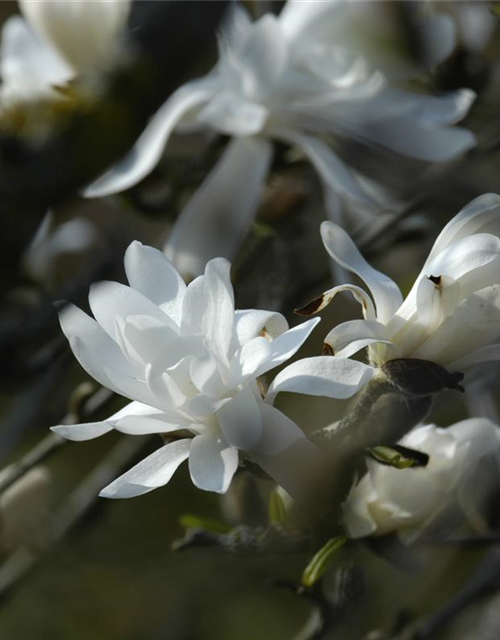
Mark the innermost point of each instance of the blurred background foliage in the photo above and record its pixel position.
(104, 570)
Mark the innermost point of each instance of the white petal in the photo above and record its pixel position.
(28, 66)
(474, 323)
(250, 323)
(145, 425)
(333, 172)
(240, 420)
(143, 339)
(418, 139)
(324, 300)
(285, 453)
(348, 338)
(205, 375)
(299, 16)
(148, 149)
(265, 52)
(476, 217)
(87, 431)
(220, 213)
(438, 37)
(152, 472)
(490, 353)
(229, 113)
(208, 307)
(247, 360)
(212, 463)
(287, 344)
(75, 323)
(203, 406)
(95, 351)
(164, 390)
(83, 32)
(385, 292)
(322, 376)
(152, 274)
(109, 300)
(83, 431)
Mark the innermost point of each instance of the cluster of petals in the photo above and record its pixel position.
(451, 316)
(55, 41)
(190, 363)
(293, 78)
(388, 499)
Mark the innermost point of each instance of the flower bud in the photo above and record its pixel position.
(389, 499)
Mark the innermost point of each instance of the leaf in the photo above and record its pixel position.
(398, 456)
(421, 377)
(277, 508)
(321, 561)
(189, 521)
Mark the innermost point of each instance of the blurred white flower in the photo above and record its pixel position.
(292, 78)
(388, 499)
(56, 41)
(475, 22)
(49, 244)
(452, 311)
(190, 363)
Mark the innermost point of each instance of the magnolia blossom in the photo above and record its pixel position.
(190, 364)
(388, 499)
(291, 78)
(452, 311)
(56, 41)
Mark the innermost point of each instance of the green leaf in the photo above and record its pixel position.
(189, 521)
(277, 509)
(322, 560)
(398, 456)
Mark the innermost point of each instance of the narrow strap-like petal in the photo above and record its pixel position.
(212, 463)
(208, 308)
(333, 172)
(147, 151)
(348, 338)
(322, 301)
(322, 376)
(474, 323)
(240, 420)
(220, 213)
(385, 292)
(152, 472)
(151, 272)
(90, 430)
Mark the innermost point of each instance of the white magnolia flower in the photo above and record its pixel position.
(190, 364)
(291, 78)
(388, 499)
(452, 311)
(55, 42)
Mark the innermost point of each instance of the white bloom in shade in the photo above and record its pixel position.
(190, 364)
(49, 244)
(56, 41)
(388, 499)
(291, 78)
(452, 313)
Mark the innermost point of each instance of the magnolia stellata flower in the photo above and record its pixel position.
(190, 364)
(56, 41)
(452, 311)
(292, 78)
(388, 499)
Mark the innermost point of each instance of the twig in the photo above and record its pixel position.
(80, 501)
(52, 442)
